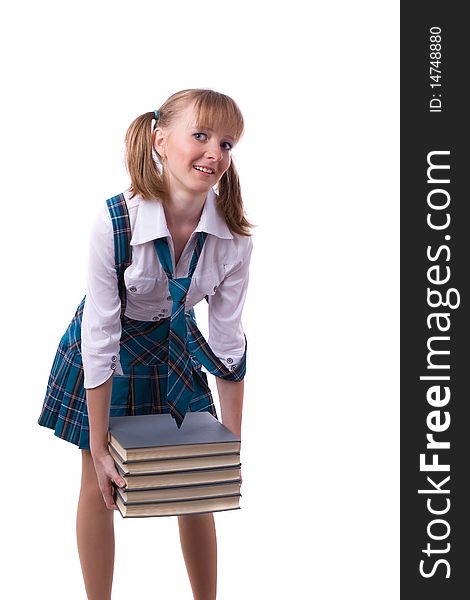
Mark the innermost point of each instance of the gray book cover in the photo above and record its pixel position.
(146, 431)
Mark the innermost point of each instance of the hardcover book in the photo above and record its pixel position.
(181, 478)
(170, 465)
(182, 507)
(187, 492)
(147, 437)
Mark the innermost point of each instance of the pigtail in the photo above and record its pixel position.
(230, 202)
(146, 178)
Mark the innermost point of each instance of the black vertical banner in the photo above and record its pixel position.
(435, 301)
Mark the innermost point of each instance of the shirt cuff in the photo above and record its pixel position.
(103, 368)
(231, 362)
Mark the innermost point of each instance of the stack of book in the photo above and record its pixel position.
(170, 471)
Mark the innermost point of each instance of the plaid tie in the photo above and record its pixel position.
(180, 369)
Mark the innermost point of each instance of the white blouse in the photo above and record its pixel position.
(221, 274)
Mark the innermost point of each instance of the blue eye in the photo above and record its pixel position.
(202, 137)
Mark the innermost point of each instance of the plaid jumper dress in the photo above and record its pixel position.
(143, 356)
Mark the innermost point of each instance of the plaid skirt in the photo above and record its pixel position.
(140, 391)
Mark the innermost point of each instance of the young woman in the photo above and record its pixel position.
(133, 346)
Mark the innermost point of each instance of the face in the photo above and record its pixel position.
(194, 158)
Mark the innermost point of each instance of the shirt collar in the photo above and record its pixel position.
(150, 222)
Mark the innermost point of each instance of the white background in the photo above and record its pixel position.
(318, 85)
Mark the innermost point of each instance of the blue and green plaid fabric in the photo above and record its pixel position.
(64, 407)
(161, 361)
(181, 366)
(122, 242)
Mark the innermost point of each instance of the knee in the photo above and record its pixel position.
(197, 520)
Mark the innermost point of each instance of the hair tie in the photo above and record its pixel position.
(155, 117)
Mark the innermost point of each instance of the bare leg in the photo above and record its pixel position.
(95, 535)
(199, 545)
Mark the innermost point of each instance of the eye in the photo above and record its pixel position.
(202, 137)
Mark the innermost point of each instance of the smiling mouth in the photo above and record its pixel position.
(205, 170)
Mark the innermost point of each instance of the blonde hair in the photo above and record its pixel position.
(212, 110)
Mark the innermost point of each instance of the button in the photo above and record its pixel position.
(168, 297)
(161, 315)
(232, 368)
(114, 358)
(113, 366)
(154, 318)
(164, 310)
(230, 361)
(132, 288)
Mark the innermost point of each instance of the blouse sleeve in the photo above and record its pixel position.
(226, 336)
(101, 323)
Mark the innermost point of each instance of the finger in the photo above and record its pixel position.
(118, 481)
(109, 499)
(115, 478)
(107, 491)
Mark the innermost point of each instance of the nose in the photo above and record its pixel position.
(214, 151)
